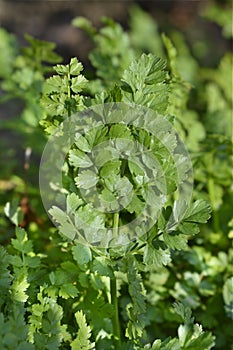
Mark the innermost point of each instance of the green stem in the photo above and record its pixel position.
(114, 300)
(115, 224)
(115, 321)
(69, 94)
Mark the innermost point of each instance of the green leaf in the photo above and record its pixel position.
(185, 333)
(58, 215)
(8, 52)
(32, 261)
(78, 83)
(21, 243)
(91, 222)
(135, 167)
(73, 202)
(81, 253)
(96, 135)
(62, 69)
(144, 83)
(156, 254)
(68, 290)
(66, 226)
(205, 341)
(143, 26)
(41, 48)
(79, 159)
(175, 241)
(54, 84)
(68, 230)
(184, 312)
(198, 212)
(110, 168)
(136, 312)
(85, 24)
(5, 279)
(97, 282)
(14, 212)
(136, 205)
(75, 66)
(86, 179)
(82, 341)
(112, 53)
(228, 297)
(82, 143)
(19, 286)
(119, 131)
(102, 266)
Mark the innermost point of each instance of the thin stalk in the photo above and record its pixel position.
(69, 94)
(115, 321)
(114, 300)
(115, 224)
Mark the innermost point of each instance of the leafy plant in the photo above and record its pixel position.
(89, 284)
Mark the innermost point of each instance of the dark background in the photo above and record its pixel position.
(51, 20)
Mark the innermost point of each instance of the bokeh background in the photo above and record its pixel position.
(202, 34)
(51, 20)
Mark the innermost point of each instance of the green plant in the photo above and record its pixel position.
(74, 286)
(142, 84)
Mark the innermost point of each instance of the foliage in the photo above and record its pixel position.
(57, 292)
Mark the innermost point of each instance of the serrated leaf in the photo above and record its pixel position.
(58, 215)
(82, 143)
(135, 167)
(158, 255)
(73, 202)
(96, 135)
(54, 84)
(198, 212)
(143, 83)
(86, 179)
(184, 312)
(19, 287)
(136, 205)
(175, 241)
(21, 243)
(81, 253)
(188, 228)
(82, 341)
(119, 131)
(68, 230)
(110, 168)
(137, 312)
(185, 333)
(101, 265)
(91, 223)
(204, 341)
(62, 69)
(75, 66)
(79, 159)
(78, 83)
(68, 290)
